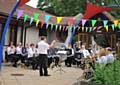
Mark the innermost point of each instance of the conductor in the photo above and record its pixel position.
(43, 46)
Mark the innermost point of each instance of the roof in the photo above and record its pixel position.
(7, 5)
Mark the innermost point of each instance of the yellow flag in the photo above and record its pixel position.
(37, 22)
(116, 23)
(59, 19)
(107, 28)
(82, 29)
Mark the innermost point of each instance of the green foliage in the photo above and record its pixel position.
(73, 7)
(108, 75)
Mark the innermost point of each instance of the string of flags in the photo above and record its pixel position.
(83, 28)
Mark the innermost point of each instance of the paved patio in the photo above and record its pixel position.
(31, 77)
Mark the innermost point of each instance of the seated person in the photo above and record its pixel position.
(109, 55)
(85, 52)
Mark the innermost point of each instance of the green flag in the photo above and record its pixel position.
(52, 27)
(90, 29)
(25, 17)
(93, 23)
(36, 15)
(119, 25)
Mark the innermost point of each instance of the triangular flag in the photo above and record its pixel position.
(47, 17)
(60, 28)
(83, 22)
(63, 28)
(119, 25)
(25, 17)
(116, 23)
(107, 28)
(36, 15)
(20, 13)
(78, 28)
(90, 29)
(47, 26)
(105, 22)
(52, 27)
(22, 2)
(113, 27)
(86, 29)
(93, 22)
(31, 20)
(56, 27)
(37, 22)
(42, 23)
(59, 19)
(82, 29)
(71, 21)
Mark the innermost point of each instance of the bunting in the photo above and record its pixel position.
(47, 18)
(36, 15)
(59, 19)
(107, 28)
(93, 22)
(25, 18)
(116, 23)
(113, 27)
(83, 22)
(19, 13)
(105, 22)
(31, 20)
(37, 22)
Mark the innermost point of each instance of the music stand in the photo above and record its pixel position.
(61, 53)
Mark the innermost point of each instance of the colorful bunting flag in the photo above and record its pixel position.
(19, 13)
(107, 28)
(113, 27)
(60, 28)
(83, 22)
(36, 15)
(63, 28)
(59, 19)
(116, 23)
(90, 29)
(82, 29)
(105, 22)
(119, 25)
(37, 22)
(31, 20)
(47, 26)
(93, 22)
(71, 21)
(47, 18)
(86, 29)
(78, 28)
(56, 27)
(52, 26)
(42, 23)
(25, 17)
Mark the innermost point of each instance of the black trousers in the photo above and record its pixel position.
(50, 60)
(43, 62)
(56, 61)
(68, 61)
(16, 58)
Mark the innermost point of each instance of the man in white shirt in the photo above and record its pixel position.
(85, 52)
(43, 60)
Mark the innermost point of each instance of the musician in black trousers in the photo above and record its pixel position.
(43, 46)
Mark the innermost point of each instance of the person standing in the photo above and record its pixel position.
(43, 46)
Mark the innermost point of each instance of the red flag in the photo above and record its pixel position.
(93, 9)
(71, 21)
(22, 2)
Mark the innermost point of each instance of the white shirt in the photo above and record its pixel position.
(110, 58)
(102, 60)
(10, 50)
(43, 47)
(31, 52)
(85, 53)
(18, 50)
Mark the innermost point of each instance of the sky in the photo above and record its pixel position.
(32, 3)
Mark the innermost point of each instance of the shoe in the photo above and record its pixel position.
(47, 75)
